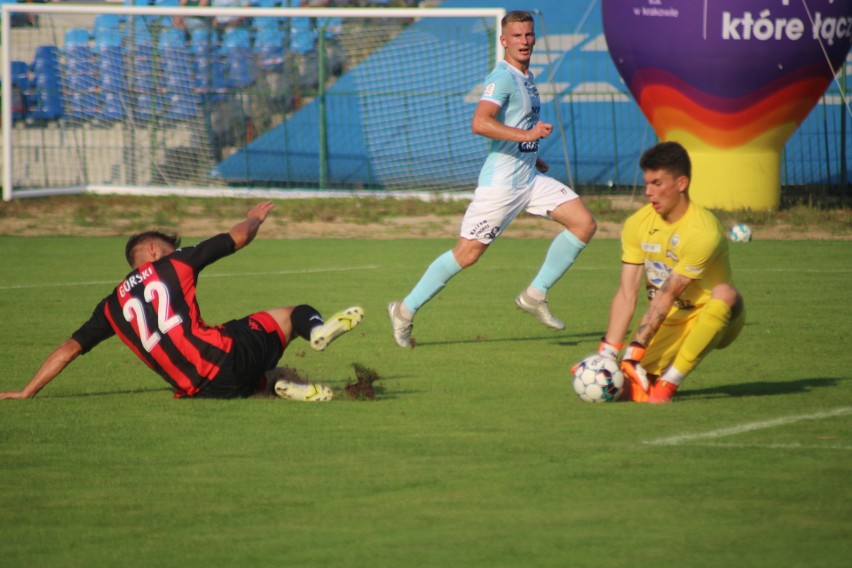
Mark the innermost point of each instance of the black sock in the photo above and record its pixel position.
(304, 319)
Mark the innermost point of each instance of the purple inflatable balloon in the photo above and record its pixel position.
(730, 80)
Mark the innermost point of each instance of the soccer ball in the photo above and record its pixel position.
(740, 233)
(598, 379)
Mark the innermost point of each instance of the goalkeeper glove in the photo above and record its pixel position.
(605, 349)
(638, 376)
(609, 350)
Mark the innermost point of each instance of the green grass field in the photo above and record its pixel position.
(476, 452)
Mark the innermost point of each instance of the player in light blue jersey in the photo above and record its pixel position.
(511, 181)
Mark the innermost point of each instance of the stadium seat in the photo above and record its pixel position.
(107, 36)
(140, 31)
(202, 40)
(107, 30)
(107, 22)
(332, 26)
(239, 61)
(236, 37)
(180, 100)
(75, 37)
(269, 48)
(140, 26)
(208, 67)
(302, 36)
(45, 98)
(113, 85)
(80, 76)
(20, 88)
(112, 80)
(141, 81)
(172, 38)
(267, 23)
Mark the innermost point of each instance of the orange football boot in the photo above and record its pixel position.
(662, 392)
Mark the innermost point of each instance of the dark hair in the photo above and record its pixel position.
(141, 238)
(669, 156)
(516, 16)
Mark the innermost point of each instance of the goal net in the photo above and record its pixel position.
(160, 99)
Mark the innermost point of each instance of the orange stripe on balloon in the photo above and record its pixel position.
(668, 109)
(669, 119)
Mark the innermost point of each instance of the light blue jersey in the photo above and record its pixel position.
(511, 164)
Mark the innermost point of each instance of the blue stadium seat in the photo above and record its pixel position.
(239, 60)
(113, 83)
(172, 38)
(107, 22)
(141, 81)
(268, 22)
(236, 37)
(333, 26)
(80, 76)
(105, 36)
(141, 26)
(302, 36)
(264, 23)
(209, 68)
(75, 37)
(45, 98)
(180, 101)
(269, 49)
(202, 40)
(20, 88)
(140, 29)
(107, 30)
(239, 67)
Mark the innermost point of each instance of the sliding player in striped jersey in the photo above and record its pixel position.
(154, 311)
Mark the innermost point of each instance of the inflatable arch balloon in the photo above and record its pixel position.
(730, 80)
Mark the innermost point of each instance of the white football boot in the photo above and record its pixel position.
(401, 327)
(540, 310)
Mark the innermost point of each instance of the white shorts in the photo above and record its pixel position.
(493, 208)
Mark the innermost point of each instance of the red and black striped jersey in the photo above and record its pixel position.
(154, 311)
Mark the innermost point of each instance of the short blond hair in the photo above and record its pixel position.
(516, 16)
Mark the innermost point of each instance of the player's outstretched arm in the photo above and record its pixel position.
(244, 232)
(623, 303)
(52, 366)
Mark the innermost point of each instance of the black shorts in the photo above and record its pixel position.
(259, 343)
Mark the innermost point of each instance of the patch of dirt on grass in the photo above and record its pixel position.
(122, 216)
(113, 216)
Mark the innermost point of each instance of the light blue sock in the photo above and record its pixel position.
(433, 281)
(563, 251)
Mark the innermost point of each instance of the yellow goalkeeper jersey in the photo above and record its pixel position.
(695, 246)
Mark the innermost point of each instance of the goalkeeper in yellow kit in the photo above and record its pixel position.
(681, 250)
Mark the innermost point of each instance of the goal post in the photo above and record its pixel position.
(212, 101)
